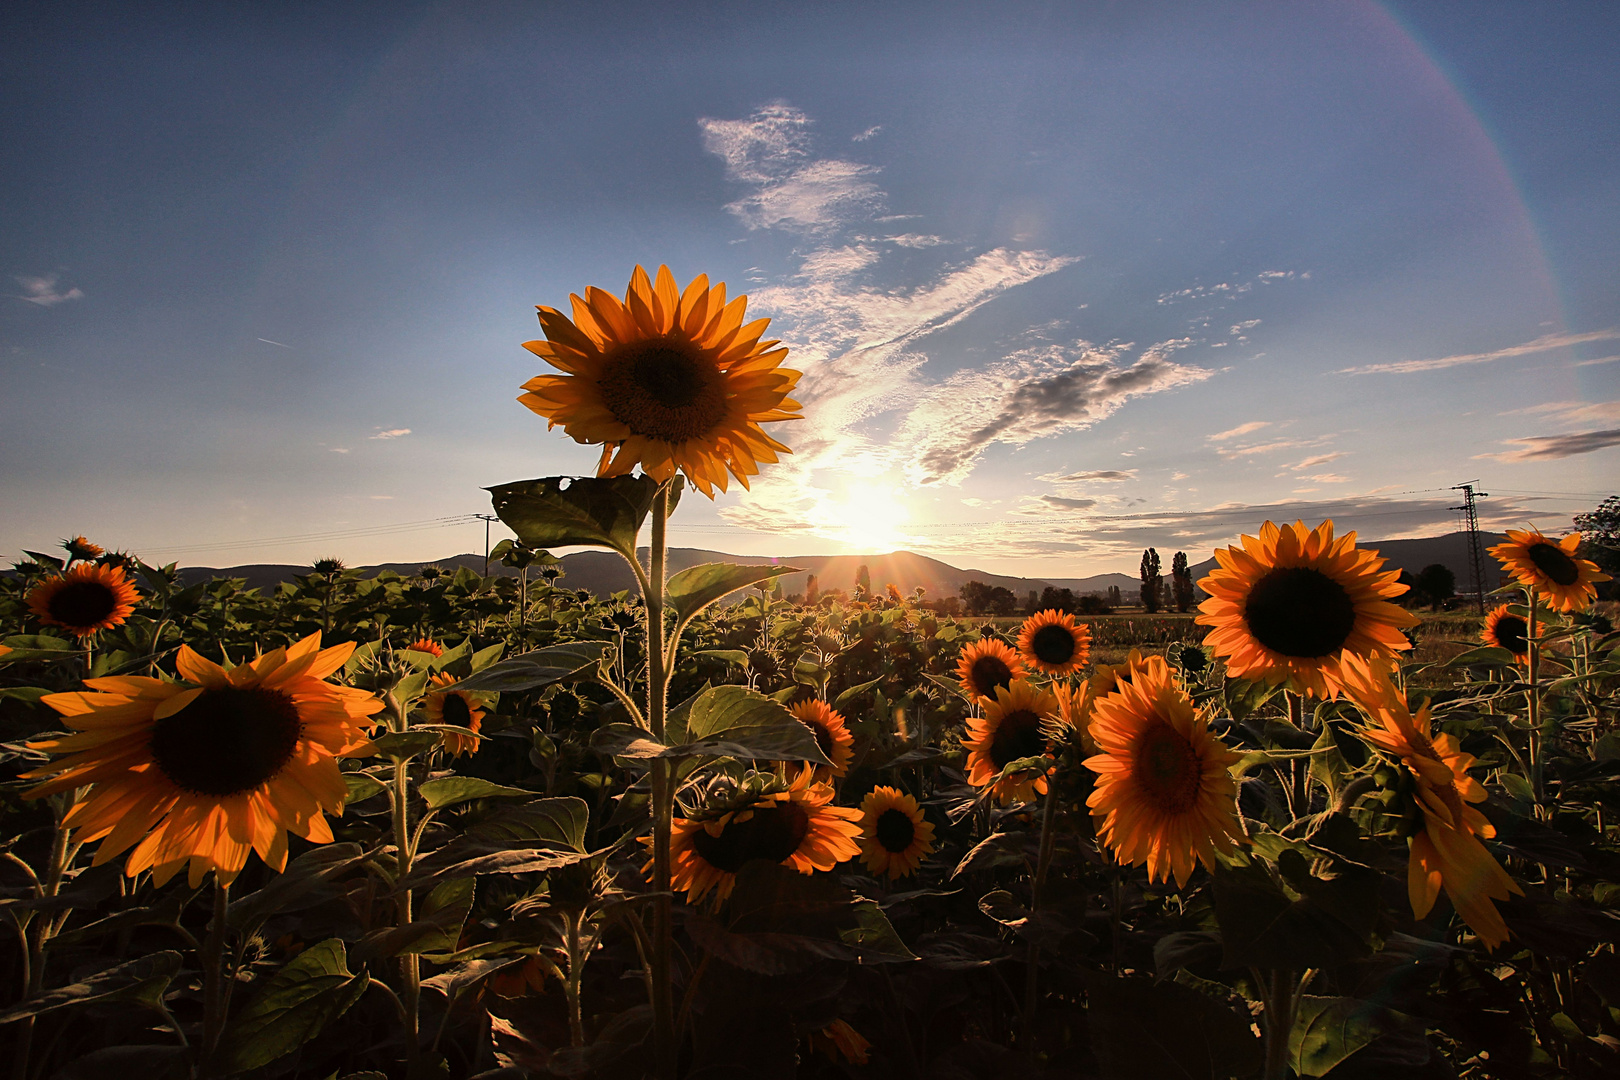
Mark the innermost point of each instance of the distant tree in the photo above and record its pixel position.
(949, 606)
(1181, 582)
(863, 579)
(975, 597)
(1031, 603)
(1115, 597)
(1002, 601)
(1152, 580)
(1058, 600)
(1092, 604)
(1600, 541)
(812, 590)
(1436, 584)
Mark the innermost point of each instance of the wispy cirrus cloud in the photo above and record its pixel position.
(1551, 447)
(391, 433)
(770, 152)
(1544, 343)
(1110, 476)
(1316, 459)
(43, 290)
(1572, 412)
(1241, 430)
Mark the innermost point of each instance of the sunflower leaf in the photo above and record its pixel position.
(143, 980)
(450, 790)
(736, 714)
(436, 930)
(303, 874)
(541, 835)
(578, 511)
(1329, 1029)
(1142, 1030)
(694, 589)
(1484, 656)
(362, 786)
(296, 1003)
(404, 744)
(541, 667)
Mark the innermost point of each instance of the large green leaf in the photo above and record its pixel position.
(1484, 656)
(579, 511)
(730, 721)
(1244, 696)
(450, 790)
(314, 989)
(303, 874)
(1141, 1030)
(692, 590)
(1324, 917)
(436, 929)
(541, 667)
(539, 835)
(142, 980)
(1329, 1029)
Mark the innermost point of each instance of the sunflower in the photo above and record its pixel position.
(667, 380)
(456, 707)
(426, 645)
(84, 600)
(1291, 604)
(1505, 630)
(985, 665)
(1075, 707)
(795, 827)
(1164, 795)
(832, 735)
(1010, 729)
(840, 1042)
(894, 837)
(1053, 643)
(1551, 568)
(1447, 852)
(80, 547)
(204, 770)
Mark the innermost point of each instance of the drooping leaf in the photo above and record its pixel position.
(539, 835)
(451, 790)
(436, 929)
(313, 989)
(1142, 1030)
(308, 871)
(579, 511)
(1484, 656)
(1329, 1029)
(694, 589)
(142, 980)
(455, 981)
(541, 667)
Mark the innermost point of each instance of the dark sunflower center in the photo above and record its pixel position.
(990, 672)
(456, 711)
(660, 392)
(1512, 634)
(1298, 611)
(227, 741)
(1168, 769)
(1555, 562)
(82, 603)
(1053, 644)
(895, 830)
(772, 833)
(1017, 736)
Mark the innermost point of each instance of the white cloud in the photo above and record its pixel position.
(392, 433)
(1316, 459)
(770, 151)
(338, 449)
(1599, 360)
(1242, 429)
(1573, 412)
(43, 291)
(1266, 448)
(1328, 478)
(1549, 447)
(867, 134)
(1225, 290)
(1245, 325)
(1541, 344)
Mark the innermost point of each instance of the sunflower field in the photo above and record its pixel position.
(451, 826)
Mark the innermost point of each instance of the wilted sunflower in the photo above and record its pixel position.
(1447, 853)
(456, 707)
(832, 735)
(1010, 729)
(667, 380)
(205, 770)
(1164, 795)
(1551, 568)
(80, 547)
(840, 1042)
(426, 645)
(1052, 643)
(1505, 630)
(894, 837)
(84, 600)
(795, 827)
(1292, 603)
(985, 665)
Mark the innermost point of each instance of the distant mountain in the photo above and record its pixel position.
(604, 573)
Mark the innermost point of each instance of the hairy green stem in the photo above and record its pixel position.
(1026, 1037)
(410, 973)
(215, 1002)
(663, 795)
(1533, 672)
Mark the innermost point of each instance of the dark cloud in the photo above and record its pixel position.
(1105, 475)
(1546, 447)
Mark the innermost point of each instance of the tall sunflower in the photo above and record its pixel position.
(665, 379)
(985, 665)
(832, 735)
(205, 770)
(894, 837)
(85, 600)
(456, 707)
(1447, 853)
(1551, 568)
(1293, 603)
(1010, 729)
(795, 827)
(1052, 643)
(1164, 794)
(1505, 630)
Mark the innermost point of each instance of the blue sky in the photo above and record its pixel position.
(1065, 280)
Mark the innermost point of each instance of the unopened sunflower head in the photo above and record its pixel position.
(79, 547)
(667, 379)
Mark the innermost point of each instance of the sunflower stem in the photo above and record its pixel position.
(1299, 805)
(409, 969)
(213, 958)
(38, 935)
(662, 793)
(1277, 1021)
(1026, 1038)
(1532, 674)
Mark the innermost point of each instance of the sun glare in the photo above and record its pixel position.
(870, 517)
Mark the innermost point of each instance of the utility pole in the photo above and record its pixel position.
(1476, 557)
(486, 519)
